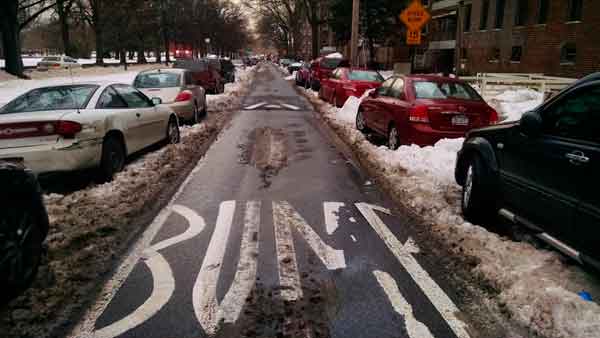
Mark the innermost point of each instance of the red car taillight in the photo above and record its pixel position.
(419, 114)
(493, 116)
(185, 95)
(56, 65)
(66, 129)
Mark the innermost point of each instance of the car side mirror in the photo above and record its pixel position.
(531, 124)
(156, 101)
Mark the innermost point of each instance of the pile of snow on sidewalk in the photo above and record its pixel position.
(538, 287)
(512, 104)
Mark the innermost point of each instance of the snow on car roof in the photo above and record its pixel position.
(334, 56)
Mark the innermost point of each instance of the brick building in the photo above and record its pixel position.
(553, 37)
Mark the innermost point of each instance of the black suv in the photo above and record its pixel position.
(542, 172)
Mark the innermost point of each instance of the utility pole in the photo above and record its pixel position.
(354, 38)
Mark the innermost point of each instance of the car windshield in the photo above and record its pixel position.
(330, 63)
(360, 75)
(157, 80)
(444, 90)
(193, 65)
(51, 98)
(51, 58)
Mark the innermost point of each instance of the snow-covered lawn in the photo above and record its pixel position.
(538, 287)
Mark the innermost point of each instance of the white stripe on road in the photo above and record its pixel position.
(353, 238)
(436, 295)
(245, 276)
(204, 292)
(196, 225)
(290, 106)
(332, 211)
(414, 328)
(331, 258)
(273, 106)
(162, 289)
(289, 277)
(254, 106)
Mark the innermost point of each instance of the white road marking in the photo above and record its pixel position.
(290, 106)
(331, 258)
(331, 211)
(289, 277)
(352, 219)
(162, 276)
(414, 328)
(254, 106)
(273, 106)
(353, 238)
(204, 292)
(436, 295)
(162, 289)
(245, 276)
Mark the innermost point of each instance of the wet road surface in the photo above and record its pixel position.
(275, 234)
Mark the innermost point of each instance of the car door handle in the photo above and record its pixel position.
(577, 157)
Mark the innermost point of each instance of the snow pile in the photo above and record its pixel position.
(387, 73)
(511, 104)
(538, 288)
(291, 77)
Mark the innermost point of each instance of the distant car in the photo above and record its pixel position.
(423, 109)
(541, 172)
(321, 68)
(294, 67)
(238, 63)
(346, 82)
(204, 73)
(303, 75)
(285, 62)
(57, 62)
(23, 228)
(227, 70)
(81, 126)
(177, 89)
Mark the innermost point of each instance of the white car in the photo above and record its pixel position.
(80, 126)
(176, 88)
(57, 62)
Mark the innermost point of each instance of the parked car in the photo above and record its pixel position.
(227, 70)
(346, 82)
(57, 62)
(294, 67)
(177, 89)
(23, 228)
(285, 62)
(81, 126)
(541, 172)
(321, 68)
(303, 75)
(422, 109)
(204, 74)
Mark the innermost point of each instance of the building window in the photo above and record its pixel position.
(517, 52)
(575, 10)
(500, 4)
(485, 9)
(494, 54)
(467, 23)
(568, 53)
(520, 12)
(543, 12)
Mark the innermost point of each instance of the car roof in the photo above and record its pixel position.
(428, 77)
(164, 70)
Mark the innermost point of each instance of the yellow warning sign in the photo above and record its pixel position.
(413, 37)
(415, 16)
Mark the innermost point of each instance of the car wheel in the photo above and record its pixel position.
(20, 251)
(361, 123)
(393, 138)
(173, 136)
(477, 201)
(113, 158)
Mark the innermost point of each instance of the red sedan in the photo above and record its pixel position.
(423, 109)
(346, 82)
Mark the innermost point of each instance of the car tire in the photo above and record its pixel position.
(315, 86)
(196, 118)
(361, 123)
(172, 135)
(393, 140)
(113, 158)
(477, 202)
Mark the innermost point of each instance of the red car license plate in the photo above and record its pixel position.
(460, 120)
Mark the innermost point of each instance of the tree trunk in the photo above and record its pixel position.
(99, 45)
(157, 54)
(64, 27)
(10, 37)
(141, 57)
(315, 39)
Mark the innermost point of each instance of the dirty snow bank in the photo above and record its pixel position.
(511, 104)
(90, 228)
(291, 77)
(537, 287)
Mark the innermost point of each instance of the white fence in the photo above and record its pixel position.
(492, 84)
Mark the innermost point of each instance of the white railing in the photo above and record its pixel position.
(491, 84)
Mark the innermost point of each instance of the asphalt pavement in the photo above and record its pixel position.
(276, 234)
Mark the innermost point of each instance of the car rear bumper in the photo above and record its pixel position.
(57, 157)
(184, 110)
(424, 135)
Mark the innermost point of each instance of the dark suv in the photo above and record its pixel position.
(542, 172)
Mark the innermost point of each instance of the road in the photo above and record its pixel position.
(276, 234)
